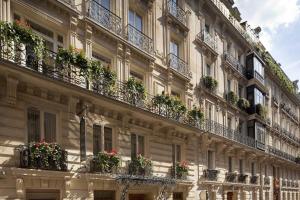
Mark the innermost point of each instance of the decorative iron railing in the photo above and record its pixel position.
(235, 64)
(47, 66)
(231, 177)
(279, 153)
(211, 174)
(178, 65)
(177, 175)
(105, 17)
(31, 159)
(177, 12)
(205, 37)
(254, 179)
(284, 183)
(259, 77)
(242, 178)
(139, 39)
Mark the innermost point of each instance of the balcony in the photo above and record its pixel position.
(105, 18)
(242, 178)
(234, 64)
(139, 39)
(281, 154)
(208, 42)
(179, 66)
(70, 3)
(260, 145)
(259, 77)
(254, 180)
(52, 157)
(267, 181)
(231, 177)
(177, 13)
(211, 174)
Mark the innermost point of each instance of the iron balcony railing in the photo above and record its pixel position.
(105, 17)
(254, 179)
(177, 12)
(234, 63)
(259, 77)
(47, 66)
(178, 65)
(211, 174)
(231, 177)
(242, 178)
(139, 39)
(279, 153)
(208, 39)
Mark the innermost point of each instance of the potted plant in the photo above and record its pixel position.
(195, 115)
(181, 170)
(140, 166)
(261, 111)
(105, 162)
(210, 83)
(134, 90)
(243, 104)
(232, 98)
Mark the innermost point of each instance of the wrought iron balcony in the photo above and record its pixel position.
(259, 77)
(234, 63)
(179, 65)
(175, 11)
(209, 40)
(231, 177)
(279, 153)
(178, 175)
(211, 174)
(260, 145)
(105, 17)
(267, 181)
(242, 178)
(139, 39)
(33, 158)
(254, 179)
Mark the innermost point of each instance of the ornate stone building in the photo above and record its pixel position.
(142, 100)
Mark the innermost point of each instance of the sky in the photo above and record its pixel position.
(280, 23)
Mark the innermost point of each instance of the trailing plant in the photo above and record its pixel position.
(43, 155)
(243, 104)
(135, 90)
(232, 98)
(106, 162)
(171, 106)
(195, 114)
(210, 83)
(261, 110)
(20, 33)
(181, 169)
(140, 166)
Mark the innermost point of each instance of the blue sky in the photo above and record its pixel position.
(280, 23)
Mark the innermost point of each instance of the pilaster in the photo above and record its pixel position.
(11, 90)
(127, 64)
(73, 31)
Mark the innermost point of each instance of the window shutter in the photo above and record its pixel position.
(50, 127)
(96, 139)
(82, 139)
(107, 139)
(33, 125)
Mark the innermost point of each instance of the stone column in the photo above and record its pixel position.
(169, 83)
(5, 10)
(20, 191)
(73, 31)
(119, 67)
(149, 78)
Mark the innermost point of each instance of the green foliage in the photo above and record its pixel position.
(195, 114)
(243, 104)
(135, 88)
(182, 169)
(210, 83)
(277, 71)
(261, 110)
(105, 162)
(20, 33)
(232, 98)
(140, 166)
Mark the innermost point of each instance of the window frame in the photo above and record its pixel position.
(137, 144)
(102, 137)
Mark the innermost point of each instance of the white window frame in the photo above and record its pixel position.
(102, 134)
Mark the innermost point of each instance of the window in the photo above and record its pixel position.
(176, 153)
(252, 169)
(229, 164)
(229, 122)
(104, 3)
(228, 85)
(207, 28)
(174, 48)
(266, 170)
(177, 196)
(210, 159)
(240, 126)
(208, 70)
(209, 111)
(260, 133)
(241, 166)
(175, 94)
(137, 145)
(258, 66)
(82, 139)
(240, 92)
(98, 137)
(41, 125)
(259, 97)
(135, 20)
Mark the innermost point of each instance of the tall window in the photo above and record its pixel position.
(228, 85)
(259, 97)
(207, 28)
(252, 169)
(229, 122)
(258, 66)
(241, 166)
(137, 145)
(209, 111)
(41, 125)
(174, 48)
(229, 164)
(100, 134)
(82, 139)
(208, 70)
(210, 159)
(135, 20)
(176, 153)
(240, 91)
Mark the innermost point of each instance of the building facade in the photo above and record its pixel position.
(142, 99)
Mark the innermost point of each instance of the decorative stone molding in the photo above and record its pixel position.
(20, 188)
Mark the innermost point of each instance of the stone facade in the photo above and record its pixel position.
(171, 47)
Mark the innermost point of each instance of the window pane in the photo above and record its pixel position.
(138, 22)
(82, 139)
(141, 145)
(40, 29)
(241, 167)
(107, 139)
(230, 164)
(33, 125)
(174, 48)
(133, 145)
(96, 139)
(178, 153)
(131, 17)
(50, 127)
(106, 4)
